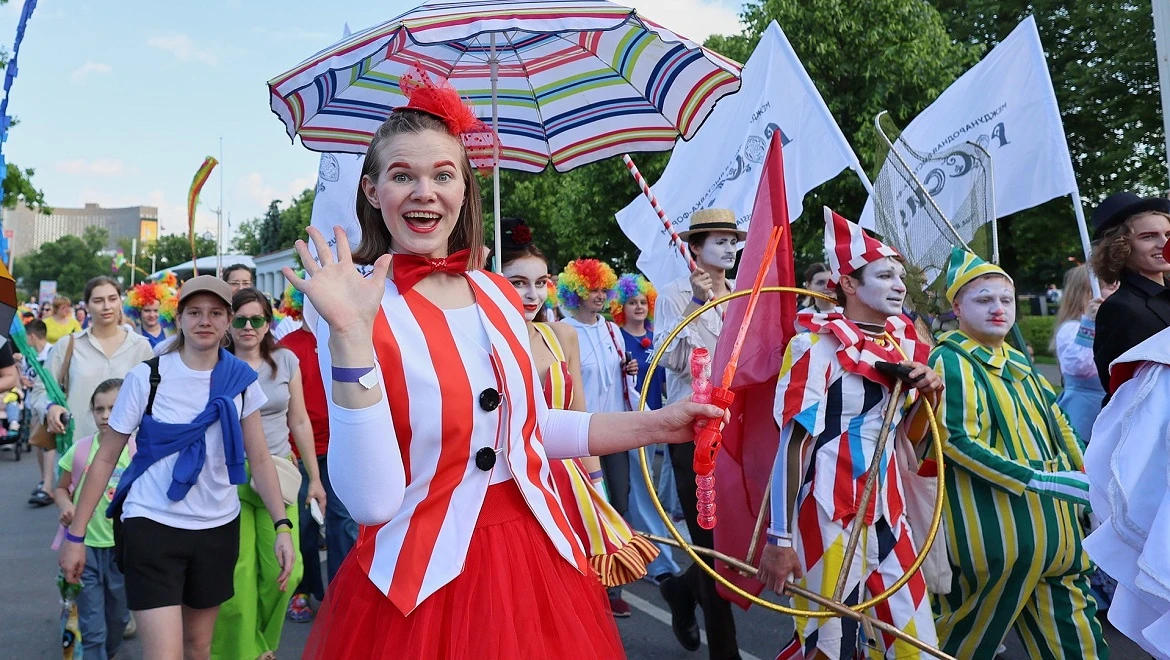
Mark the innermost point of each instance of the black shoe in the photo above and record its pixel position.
(682, 612)
(39, 488)
(40, 498)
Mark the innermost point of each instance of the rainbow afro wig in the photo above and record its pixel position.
(292, 303)
(630, 286)
(554, 299)
(162, 292)
(581, 277)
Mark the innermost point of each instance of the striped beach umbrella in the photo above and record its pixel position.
(566, 82)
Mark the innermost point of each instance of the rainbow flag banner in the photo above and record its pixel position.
(201, 176)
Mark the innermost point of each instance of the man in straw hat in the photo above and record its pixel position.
(713, 239)
(834, 400)
(1015, 488)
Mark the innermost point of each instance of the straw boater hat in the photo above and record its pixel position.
(713, 220)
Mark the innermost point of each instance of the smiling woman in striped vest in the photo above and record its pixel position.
(441, 435)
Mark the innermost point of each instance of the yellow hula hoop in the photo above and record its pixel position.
(936, 445)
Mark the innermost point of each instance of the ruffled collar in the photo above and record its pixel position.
(860, 350)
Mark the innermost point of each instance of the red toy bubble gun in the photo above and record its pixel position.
(709, 437)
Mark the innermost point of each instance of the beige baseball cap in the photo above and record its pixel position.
(206, 284)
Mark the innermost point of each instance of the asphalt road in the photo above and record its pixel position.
(29, 608)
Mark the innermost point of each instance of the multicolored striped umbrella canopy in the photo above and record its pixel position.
(577, 80)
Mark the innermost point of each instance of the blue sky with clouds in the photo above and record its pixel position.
(119, 102)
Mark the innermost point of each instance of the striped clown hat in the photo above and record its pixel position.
(966, 266)
(849, 247)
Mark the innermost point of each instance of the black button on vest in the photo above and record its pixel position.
(485, 458)
(489, 399)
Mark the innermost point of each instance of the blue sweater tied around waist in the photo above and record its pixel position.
(157, 440)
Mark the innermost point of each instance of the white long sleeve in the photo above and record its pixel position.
(365, 462)
(1075, 360)
(565, 433)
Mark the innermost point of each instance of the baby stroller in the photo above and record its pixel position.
(17, 440)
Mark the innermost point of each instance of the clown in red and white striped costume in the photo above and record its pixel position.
(435, 386)
(830, 402)
(440, 436)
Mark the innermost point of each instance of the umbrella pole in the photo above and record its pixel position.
(494, 64)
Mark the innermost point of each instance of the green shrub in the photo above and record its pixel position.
(1038, 331)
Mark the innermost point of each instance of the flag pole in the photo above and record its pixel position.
(865, 182)
(219, 219)
(1083, 230)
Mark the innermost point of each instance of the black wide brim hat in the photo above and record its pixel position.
(1119, 206)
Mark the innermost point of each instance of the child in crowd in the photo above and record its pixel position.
(101, 605)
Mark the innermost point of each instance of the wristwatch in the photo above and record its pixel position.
(367, 377)
(283, 521)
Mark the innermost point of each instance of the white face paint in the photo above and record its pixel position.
(986, 308)
(530, 277)
(883, 287)
(718, 251)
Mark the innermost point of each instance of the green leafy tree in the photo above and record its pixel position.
(864, 56)
(174, 249)
(277, 229)
(247, 240)
(17, 186)
(1103, 64)
(70, 260)
(19, 189)
(295, 219)
(572, 214)
(270, 228)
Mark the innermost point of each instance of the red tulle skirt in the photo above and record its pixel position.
(516, 598)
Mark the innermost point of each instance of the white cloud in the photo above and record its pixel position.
(253, 188)
(183, 48)
(694, 19)
(108, 167)
(90, 67)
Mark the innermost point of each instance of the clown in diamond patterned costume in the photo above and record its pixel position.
(830, 401)
(1014, 487)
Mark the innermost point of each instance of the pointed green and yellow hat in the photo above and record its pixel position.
(966, 266)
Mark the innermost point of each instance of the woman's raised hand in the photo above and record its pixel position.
(341, 295)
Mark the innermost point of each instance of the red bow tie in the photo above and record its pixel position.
(409, 268)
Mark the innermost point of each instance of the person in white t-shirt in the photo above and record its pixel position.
(176, 510)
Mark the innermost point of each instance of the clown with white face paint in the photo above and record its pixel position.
(1015, 487)
(712, 239)
(830, 400)
(617, 555)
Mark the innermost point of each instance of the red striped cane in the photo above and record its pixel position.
(666, 223)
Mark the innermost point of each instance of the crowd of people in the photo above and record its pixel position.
(433, 426)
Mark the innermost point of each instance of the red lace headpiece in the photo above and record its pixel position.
(441, 100)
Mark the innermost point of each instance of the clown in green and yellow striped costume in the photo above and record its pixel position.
(1014, 491)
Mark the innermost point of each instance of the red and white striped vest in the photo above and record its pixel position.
(433, 384)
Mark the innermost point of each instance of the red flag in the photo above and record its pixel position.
(751, 437)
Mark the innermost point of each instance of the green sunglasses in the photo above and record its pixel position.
(240, 321)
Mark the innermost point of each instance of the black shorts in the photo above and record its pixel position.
(167, 566)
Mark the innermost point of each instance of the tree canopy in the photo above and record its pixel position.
(278, 228)
(70, 260)
(1103, 64)
(866, 56)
